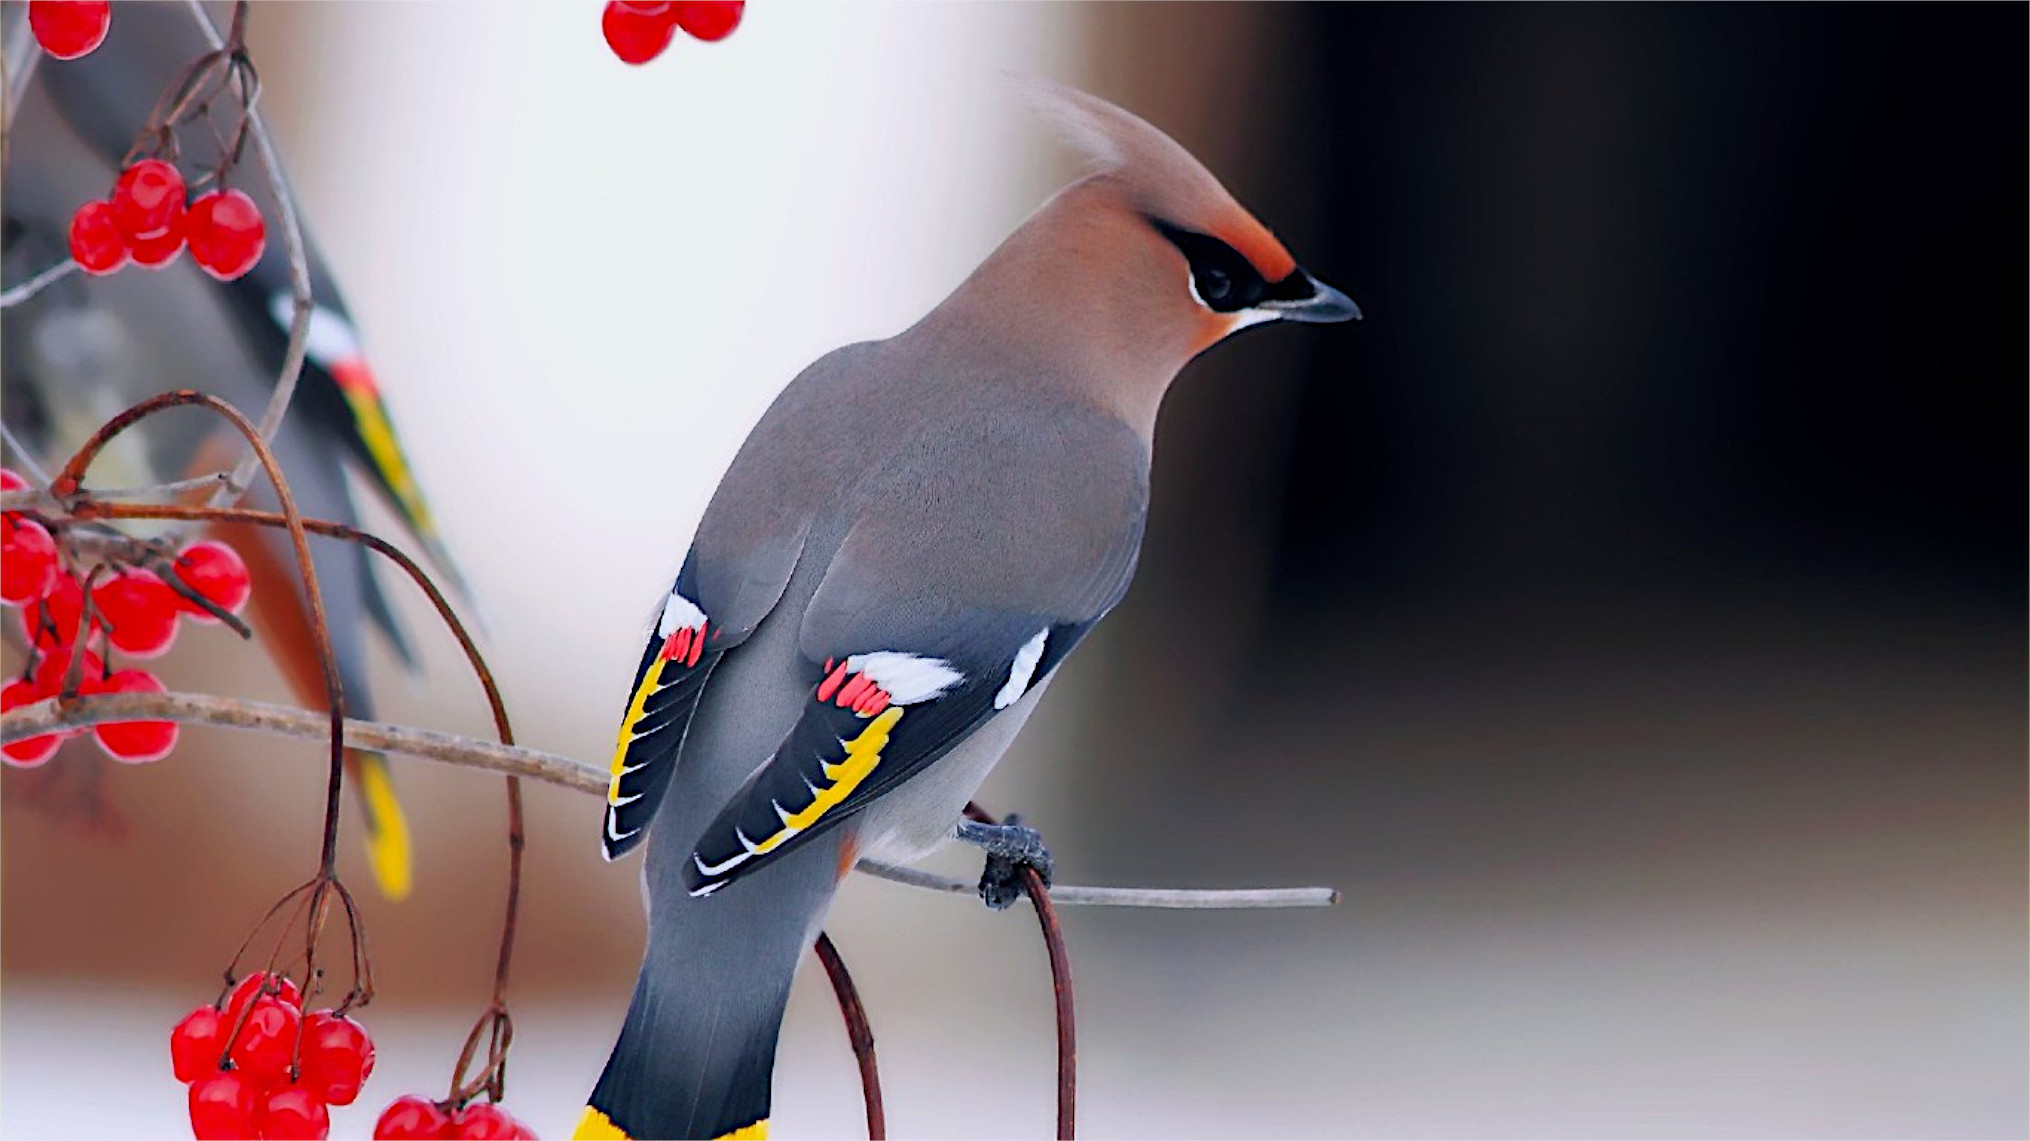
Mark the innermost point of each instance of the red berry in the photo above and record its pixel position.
(29, 751)
(68, 29)
(637, 36)
(709, 20)
(11, 480)
(160, 250)
(222, 1106)
(338, 1056)
(50, 672)
(139, 610)
(412, 1118)
(483, 1122)
(27, 560)
(195, 1044)
(292, 1113)
(226, 233)
(256, 984)
(148, 199)
(215, 571)
(96, 243)
(267, 1040)
(135, 742)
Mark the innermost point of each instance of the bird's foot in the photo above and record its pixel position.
(1010, 847)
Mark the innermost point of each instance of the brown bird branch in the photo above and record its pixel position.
(550, 768)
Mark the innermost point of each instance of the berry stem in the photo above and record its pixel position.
(68, 483)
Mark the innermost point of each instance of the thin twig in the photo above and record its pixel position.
(857, 1031)
(27, 464)
(299, 275)
(1060, 984)
(534, 764)
(38, 283)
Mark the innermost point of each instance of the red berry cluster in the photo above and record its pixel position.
(68, 29)
(639, 30)
(132, 611)
(278, 1077)
(415, 1118)
(146, 221)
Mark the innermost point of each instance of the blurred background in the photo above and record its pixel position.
(1628, 616)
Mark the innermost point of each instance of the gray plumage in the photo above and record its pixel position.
(910, 540)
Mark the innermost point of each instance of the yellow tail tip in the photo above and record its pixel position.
(596, 1126)
(387, 832)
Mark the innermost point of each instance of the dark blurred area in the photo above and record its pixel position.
(1645, 575)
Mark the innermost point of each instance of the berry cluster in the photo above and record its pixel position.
(146, 221)
(68, 29)
(639, 30)
(415, 1118)
(276, 1077)
(131, 610)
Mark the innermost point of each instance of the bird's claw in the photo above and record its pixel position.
(1010, 847)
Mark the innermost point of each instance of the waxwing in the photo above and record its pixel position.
(87, 347)
(907, 545)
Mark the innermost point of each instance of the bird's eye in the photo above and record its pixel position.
(1215, 287)
(1224, 281)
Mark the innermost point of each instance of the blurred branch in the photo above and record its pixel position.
(299, 270)
(21, 53)
(448, 748)
(38, 283)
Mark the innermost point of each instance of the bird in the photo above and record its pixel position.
(87, 347)
(902, 552)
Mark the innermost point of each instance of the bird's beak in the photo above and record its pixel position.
(1319, 304)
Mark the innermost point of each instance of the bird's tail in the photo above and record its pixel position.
(696, 1054)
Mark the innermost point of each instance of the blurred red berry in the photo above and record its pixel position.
(222, 1107)
(27, 560)
(11, 480)
(412, 1117)
(214, 571)
(708, 20)
(160, 250)
(68, 29)
(253, 986)
(139, 611)
(148, 199)
(267, 1040)
(29, 751)
(135, 742)
(50, 672)
(226, 233)
(96, 243)
(196, 1043)
(338, 1056)
(637, 36)
(483, 1122)
(292, 1113)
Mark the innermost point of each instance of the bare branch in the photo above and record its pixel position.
(447, 748)
(38, 283)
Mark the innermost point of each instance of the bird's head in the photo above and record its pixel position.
(1143, 263)
(1208, 259)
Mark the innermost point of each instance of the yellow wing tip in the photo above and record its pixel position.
(388, 852)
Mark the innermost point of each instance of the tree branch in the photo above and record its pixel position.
(447, 748)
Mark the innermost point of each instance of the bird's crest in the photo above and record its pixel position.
(1157, 176)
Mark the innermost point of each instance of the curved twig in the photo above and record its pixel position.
(38, 283)
(857, 1031)
(1060, 985)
